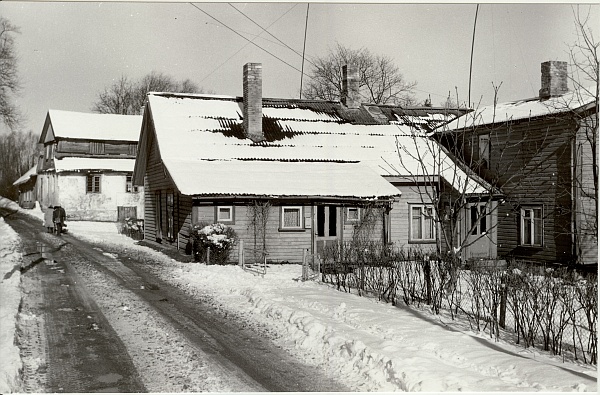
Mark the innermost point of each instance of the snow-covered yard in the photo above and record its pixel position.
(372, 345)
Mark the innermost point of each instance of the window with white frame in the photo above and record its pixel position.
(224, 214)
(352, 214)
(422, 224)
(291, 218)
(93, 183)
(532, 226)
(129, 187)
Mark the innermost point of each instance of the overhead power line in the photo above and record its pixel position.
(245, 45)
(268, 32)
(270, 53)
(251, 42)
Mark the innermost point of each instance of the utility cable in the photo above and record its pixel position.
(251, 42)
(245, 45)
(269, 33)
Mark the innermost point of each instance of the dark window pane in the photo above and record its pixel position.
(320, 221)
(332, 221)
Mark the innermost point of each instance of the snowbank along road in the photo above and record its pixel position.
(93, 321)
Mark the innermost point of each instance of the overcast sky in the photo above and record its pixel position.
(69, 52)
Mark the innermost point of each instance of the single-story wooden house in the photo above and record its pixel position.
(27, 191)
(320, 165)
(542, 152)
(87, 165)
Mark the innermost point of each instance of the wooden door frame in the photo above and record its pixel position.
(339, 224)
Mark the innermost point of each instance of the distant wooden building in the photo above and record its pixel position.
(27, 190)
(87, 165)
(540, 152)
(319, 164)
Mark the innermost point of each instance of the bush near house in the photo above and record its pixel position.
(212, 243)
(555, 309)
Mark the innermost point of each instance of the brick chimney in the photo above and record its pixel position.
(350, 93)
(554, 79)
(253, 102)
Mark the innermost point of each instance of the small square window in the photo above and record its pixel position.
(93, 183)
(224, 214)
(129, 187)
(352, 214)
(291, 217)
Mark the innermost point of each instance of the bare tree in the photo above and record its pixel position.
(127, 97)
(585, 77)
(380, 80)
(116, 99)
(469, 174)
(18, 153)
(9, 81)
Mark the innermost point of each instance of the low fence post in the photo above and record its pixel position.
(503, 293)
(241, 253)
(304, 268)
(208, 255)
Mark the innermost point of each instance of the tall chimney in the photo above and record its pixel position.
(350, 93)
(253, 102)
(554, 79)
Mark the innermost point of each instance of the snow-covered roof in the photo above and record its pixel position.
(88, 126)
(273, 178)
(25, 177)
(194, 128)
(522, 109)
(75, 164)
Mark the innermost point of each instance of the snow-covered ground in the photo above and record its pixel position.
(10, 297)
(372, 345)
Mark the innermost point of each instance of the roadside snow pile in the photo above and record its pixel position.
(368, 345)
(10, 298)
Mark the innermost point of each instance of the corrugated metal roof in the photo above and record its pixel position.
(275, 178)
(195, 128)
(80, 125)
(522, 109)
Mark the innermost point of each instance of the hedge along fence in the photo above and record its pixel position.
(554, 309)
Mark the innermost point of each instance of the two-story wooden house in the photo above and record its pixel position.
(318, 164)
(87, 165)
(542, 153)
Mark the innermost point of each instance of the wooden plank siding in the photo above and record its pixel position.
(158, 181)
(282, 246)
(585, 202)
(68, 147)
(531, 161)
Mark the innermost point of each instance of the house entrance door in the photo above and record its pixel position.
(327, 227)
(481, 227)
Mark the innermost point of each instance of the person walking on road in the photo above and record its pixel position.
(49, 219)
(59, 216)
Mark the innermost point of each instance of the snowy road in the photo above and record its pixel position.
(173, 342)
(153, 301)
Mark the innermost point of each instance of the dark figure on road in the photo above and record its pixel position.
(49, 219)
(59, 216)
